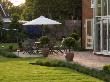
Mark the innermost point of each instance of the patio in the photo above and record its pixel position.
(87, 59)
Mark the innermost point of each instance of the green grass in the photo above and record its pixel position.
(19, 70)
(6, 45)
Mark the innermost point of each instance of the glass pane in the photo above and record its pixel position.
(98, 8)
(89, 28)
(98, 37)
(104, 35)
(109, 7)
(104, 7)
(109, 35)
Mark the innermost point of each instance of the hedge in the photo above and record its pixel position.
(100, 74)
(106, 69)
(5, 53)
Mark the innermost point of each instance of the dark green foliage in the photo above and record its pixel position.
(7, 6)
(1, 22)
(15, 22)
(92, 72)
(69, 42)
(44, 40)
(28, 10)
(56, 9)
(75, 36)
(20, 45)
(7, 54)
(107, 69)
(10, 9)
(1, 26)
(11, 47)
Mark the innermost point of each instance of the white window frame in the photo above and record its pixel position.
(87, 36)
(92, 4)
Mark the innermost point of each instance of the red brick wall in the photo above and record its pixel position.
(87, 13)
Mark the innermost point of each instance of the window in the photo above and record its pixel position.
(92, 3)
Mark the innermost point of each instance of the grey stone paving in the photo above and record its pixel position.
(20, 54)
(84, 58)
(87, 59)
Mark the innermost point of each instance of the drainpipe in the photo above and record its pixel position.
(81, 24)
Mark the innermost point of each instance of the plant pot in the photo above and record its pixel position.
(69, 56)
(45, 52)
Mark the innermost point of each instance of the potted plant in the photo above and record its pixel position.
(44, 41)
(69, 43)
(77, 38)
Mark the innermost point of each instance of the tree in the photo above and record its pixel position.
(7, 6)
(1, 23)
(10, 9)
(56, 9)
(1, 26)
(28, 10)
(14, 25)
(14, 22)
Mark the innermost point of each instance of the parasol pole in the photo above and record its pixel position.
(42, 29)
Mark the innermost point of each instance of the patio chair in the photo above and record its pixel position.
(58, 49)
(28, 47)
(51, 48)
(54, 49)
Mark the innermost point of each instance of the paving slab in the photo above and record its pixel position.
(22, 54)
(87, 59)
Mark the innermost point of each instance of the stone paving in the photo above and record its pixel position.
(22, 54)
(84, 58)
(87, 59)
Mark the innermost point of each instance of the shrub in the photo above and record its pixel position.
(7, 54)
(106, 69)
(20, 45)
(75, 36)
(92, 72)
(69, 42)
(77, 43)
(44, 40)
(10, 48)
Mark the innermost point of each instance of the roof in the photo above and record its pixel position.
(7, 20)
(42, 21)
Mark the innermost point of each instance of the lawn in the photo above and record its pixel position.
(19, 70)
(6, 45)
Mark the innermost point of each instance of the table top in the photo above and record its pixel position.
(37, 42)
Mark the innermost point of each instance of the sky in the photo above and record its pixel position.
(17, 2)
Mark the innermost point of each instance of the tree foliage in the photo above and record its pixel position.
(1, 22)
(57, 9)
(7, 6)
(10, 9)
(15, 22)
(28, 10)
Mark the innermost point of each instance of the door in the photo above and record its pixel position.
(89, 34)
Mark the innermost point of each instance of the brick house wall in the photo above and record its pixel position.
(87, 13)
